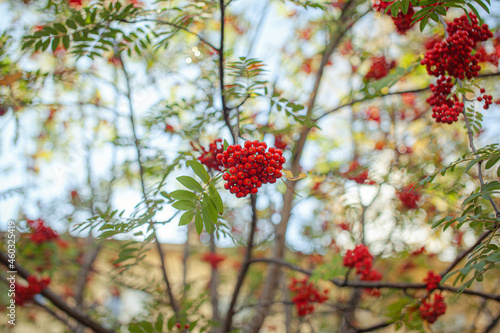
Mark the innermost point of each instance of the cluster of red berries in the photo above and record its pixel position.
(306, 294)
(401, 21)
(361, 259)
(409, 196)
(40, 233)
(488, 99)
(453, 58)
(444, 109)
(248, 167)
(380, 68)
(25, 294)
(209, 158)
(214, 259)
(430, 311)
(432, 280)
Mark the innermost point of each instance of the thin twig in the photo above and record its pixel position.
(170, 294)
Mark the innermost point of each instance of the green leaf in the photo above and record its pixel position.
(434, 17)
(199, 170)
(190, 183)
(184, 195)
(55, 43)
(440, 10)
(186, 218)
(395, 8)
(210, 206)
(70, 23)
(184, 205)
(405, 5)
(134, 328)
(66, 41)
(60, 27)
(198, 222)
(159, 321)
(215, 196)
(492, 161)
(206, 217)
(482, 4)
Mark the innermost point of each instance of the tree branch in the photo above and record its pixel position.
(56, 300)
(244, 267)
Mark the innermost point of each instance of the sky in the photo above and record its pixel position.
(57, 179)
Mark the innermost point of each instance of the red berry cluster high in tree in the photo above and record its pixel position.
(401, 21)
(305, 295)
(25, 294)
(380, 68)
(454, 57)
(248, 167)
(209, 158)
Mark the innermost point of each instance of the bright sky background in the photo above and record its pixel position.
(56, 180)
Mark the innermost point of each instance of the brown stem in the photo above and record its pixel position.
(225, 109)
(56, 300)
(244, 267)
(465, 253)
(273, 274)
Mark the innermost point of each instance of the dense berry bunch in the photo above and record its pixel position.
(305, 296)
(209, 158)
(214, 259)
(248, 167)
(454, 57)
(432, 280)
(361, 259)
(40, 233)
(380, 68)
(25, 294)
(409, 197)
(430, 311)
(444, 109)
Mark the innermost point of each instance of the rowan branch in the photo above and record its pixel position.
(341, 283)
(410, 91)
(55, 299)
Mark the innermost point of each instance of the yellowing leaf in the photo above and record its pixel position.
(288, 174)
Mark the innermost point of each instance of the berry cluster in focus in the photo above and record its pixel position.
(454, 57)
(251, 166)
(25, 294)
(305, 296)
(40, 233)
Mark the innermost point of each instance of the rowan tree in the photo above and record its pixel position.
(333, 165)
